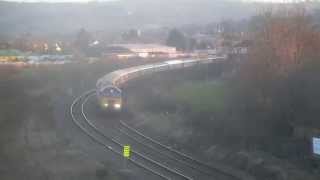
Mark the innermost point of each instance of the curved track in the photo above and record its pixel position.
(112, 145)
(135, 134)
(150, 155)
(183, 166)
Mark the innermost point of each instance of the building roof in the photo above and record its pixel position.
(117, 49)
(145, 47)
(244, 43)
(10, 52)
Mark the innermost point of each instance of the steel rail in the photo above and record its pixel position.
(164, 154)
(133, 151)
(103, 144)
(177, 152)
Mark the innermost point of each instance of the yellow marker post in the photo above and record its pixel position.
(126, 154)
(126, 151)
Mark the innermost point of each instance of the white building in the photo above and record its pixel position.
(146, 50)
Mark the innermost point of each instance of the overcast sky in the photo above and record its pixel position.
(115, 0)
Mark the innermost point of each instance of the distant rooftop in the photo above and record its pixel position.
(138, 48)
(142, 46)
(11, 52)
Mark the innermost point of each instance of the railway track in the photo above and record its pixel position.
(158, 159)
(194, 163)
(164, 156)
(159, 170)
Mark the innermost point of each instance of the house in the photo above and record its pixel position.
(241, 47)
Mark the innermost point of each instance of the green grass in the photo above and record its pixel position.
(202, 97)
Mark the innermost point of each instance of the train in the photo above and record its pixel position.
(108, 87)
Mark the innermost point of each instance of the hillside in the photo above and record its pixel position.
(112, 16)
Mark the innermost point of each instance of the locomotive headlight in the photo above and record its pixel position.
(117, 106)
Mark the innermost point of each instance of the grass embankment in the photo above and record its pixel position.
(184, 112)
(202, 97)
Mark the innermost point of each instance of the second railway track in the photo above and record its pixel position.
(110, 144)
(168, 151)
(168, 161)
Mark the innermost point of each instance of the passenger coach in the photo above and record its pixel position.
(108, 87)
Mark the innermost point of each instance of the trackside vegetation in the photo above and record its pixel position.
(202, 97)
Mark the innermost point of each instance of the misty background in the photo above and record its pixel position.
(44, 18)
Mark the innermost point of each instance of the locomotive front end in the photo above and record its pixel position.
(110, 98)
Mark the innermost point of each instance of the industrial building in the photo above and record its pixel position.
(125, 51)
